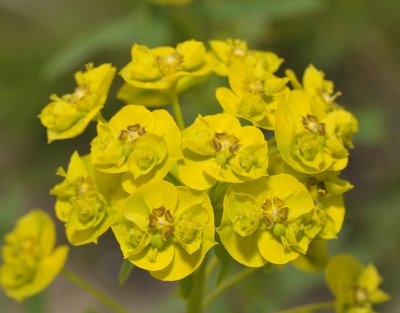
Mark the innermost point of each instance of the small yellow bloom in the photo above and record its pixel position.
(355, 286)
(68, 116)
(141, 144)
(163, 67)
(30, 260)
(218, 148)
(80, 204)
(326, 189)
(270, 219)
(168, 230)
(229, 52)
(307, 137)
(254, 94)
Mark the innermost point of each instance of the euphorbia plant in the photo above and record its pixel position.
(258, 181)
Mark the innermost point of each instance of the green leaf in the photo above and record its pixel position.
(125, 271)
(186, 286)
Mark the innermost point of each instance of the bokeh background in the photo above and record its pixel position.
(357, 43)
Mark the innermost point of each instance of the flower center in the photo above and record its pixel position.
(275, 214)
(170, 64)
(131, 133)
(225, 144)
(254, 86)
(360, 296)
(161, 220)
(311, 123)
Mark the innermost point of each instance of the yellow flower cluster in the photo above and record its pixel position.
(278, 195)
(170, 193)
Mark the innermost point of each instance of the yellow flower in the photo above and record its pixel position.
(355, 286)
(307, 137)
(168, 230)
(254, 94)
(80, 204)
(163, 67)
(315, 85)
(327, 191)
(68, 116)
(142, 144)
(30, 260)
(217, 148)
(236, 51)
(268, 220)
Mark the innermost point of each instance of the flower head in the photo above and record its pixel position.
(218, 148)
(270, 219)
(30, 261)
(229, 52)
(163, 67)
(167, 229)
(141, 144)
(356, 287)
(254, 94)
(307, 137)
(80, 204)
(68, 116)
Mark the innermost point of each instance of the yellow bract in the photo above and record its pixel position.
(80, 204)
(229, 52)
(254, 94)
(268, 220)
(68, 116)
(218, 148)
(356, 287)
(30, 261)
(307, 137)
(163, 67)
(141, 144)
(167, 229)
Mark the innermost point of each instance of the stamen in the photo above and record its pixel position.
(217, 145)
(123, 135)
(133, 128)
(152, 221)
(278, 202)
(234, 148)
(169, 217)
(159, 211)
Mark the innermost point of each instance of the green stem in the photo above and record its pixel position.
(195, 300)
(94, 291)
(211, 266)
(310, 307)
(225, 285)
(176, 107)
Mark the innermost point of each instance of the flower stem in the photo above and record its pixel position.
(225, 285)
(195, 300)
(94, 291)
(310, 307)
(176, 107)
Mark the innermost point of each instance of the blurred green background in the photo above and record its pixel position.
(357, 43)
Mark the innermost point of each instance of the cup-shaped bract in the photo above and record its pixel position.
(68, 116)
(235, 51)
(307, 136)
(30, 259)
(167, 229)
(141, 144)
(218, 148)
(356, 287)
(270, 219)
(163, 67)
(80, 204)
(254, 94)
(326, 189)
